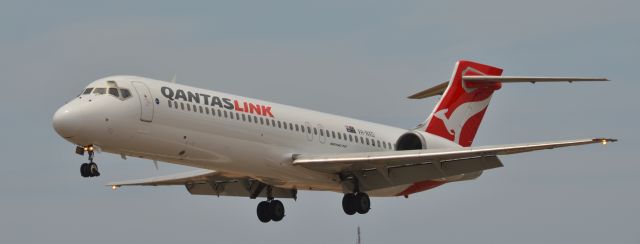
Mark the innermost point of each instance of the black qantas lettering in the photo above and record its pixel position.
(167, 92)
(225, 103)
(180, 95)
(193, 97)
(215, 101)
(206, 98)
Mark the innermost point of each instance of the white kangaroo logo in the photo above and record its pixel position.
(459, 117)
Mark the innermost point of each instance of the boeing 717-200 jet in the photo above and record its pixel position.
(247, 147)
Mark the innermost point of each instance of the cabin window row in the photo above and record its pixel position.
(279, 124)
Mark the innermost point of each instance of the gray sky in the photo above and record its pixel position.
(354, 58)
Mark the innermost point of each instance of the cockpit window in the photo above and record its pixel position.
(125, 93)
(114, 92)
(87, 91)
(100, 91)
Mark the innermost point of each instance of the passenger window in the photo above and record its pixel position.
(362, 140)
(273, 123)
(367, 141)
(339, 137)
(169, 103)
(100, 91)
(321, 132)
(378, 142)
(114, 92)
(175, 104)
(200, 109)
(181, 105)
(231, 115)
(249, 118)
(125, 93)
(87, 91)
(261, 121)
(279, 124)
(255, 119)
(297, 127)
(188, 107)
(243, 117)
(356, 138)
(333, 134)
(225, 113)
(315, 131)
(206, 109)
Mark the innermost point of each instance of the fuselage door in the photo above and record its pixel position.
(146, 101)
(307, 128)
(322, 138)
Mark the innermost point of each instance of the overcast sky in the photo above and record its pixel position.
(353, 58)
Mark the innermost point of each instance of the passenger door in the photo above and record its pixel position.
(146, 101)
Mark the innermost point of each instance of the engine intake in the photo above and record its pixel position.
(411, 141)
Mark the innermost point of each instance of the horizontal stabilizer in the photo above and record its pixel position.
(531, 79)
(436, 90)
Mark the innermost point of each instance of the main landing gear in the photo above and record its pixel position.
(358, 202)
(270, 210)
(89, 169)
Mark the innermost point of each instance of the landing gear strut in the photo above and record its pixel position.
(358, 202)
(89, 169)
(270, 210)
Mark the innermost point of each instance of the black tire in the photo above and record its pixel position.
(263, 212)
(362, 203)
(83, 170)
(348, 204)
(276, 210)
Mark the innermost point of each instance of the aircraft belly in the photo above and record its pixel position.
(235, 155)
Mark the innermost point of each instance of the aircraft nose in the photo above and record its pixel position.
(66, 122)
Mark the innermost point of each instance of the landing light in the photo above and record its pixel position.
(604, 141)
(114, 187)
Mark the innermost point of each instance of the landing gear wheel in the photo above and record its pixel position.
(362, 203)
(276, 210)
(83, 170)
(348, 205)
(263, 212)
(93, 170)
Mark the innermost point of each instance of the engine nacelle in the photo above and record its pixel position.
(416, 140)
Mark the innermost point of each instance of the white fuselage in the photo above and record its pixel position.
(206, 129)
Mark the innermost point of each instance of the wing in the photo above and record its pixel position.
(209, 182)
(196, 177)
(457, 160)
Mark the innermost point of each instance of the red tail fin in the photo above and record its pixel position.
(463, 104)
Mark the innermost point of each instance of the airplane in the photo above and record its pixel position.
(246, 147)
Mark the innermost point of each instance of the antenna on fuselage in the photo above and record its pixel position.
(173, 80)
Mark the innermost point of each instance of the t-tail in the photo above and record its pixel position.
(466, 96)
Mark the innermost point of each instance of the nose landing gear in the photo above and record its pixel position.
(89, 169)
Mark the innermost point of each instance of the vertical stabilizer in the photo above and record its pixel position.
(459, 112)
